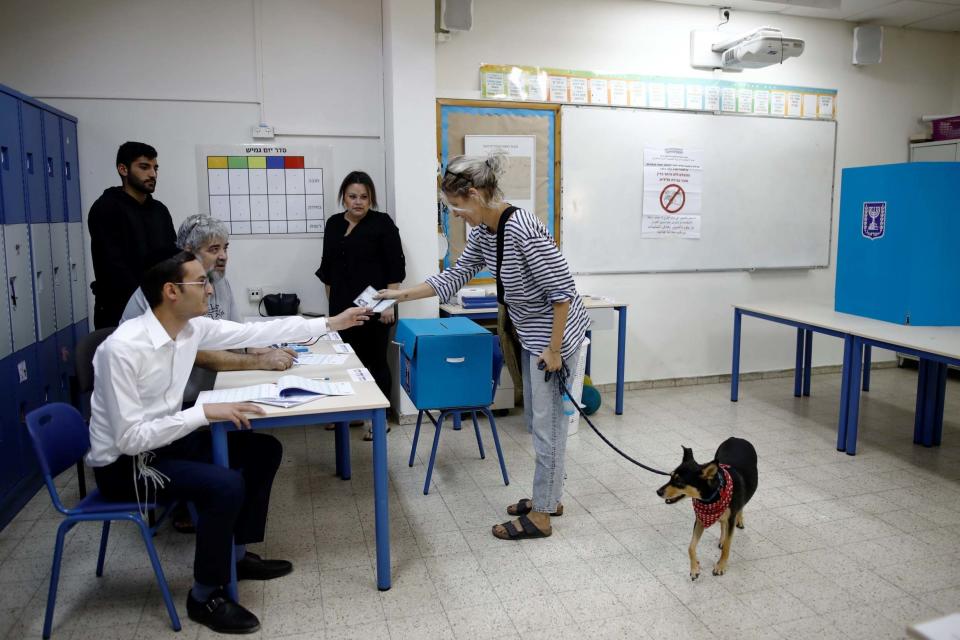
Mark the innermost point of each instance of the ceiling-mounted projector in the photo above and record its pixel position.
(758, 48)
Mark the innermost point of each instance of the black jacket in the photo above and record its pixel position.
(126, 239)
(370, 256)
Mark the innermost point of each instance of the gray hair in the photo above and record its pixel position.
(198, 230)
(464, 172)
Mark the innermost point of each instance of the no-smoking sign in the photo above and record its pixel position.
(672, 198)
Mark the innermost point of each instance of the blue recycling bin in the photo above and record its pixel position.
(897, 255)
(445, 362)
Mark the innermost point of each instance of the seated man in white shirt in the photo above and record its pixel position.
(208, 239)
(143, 446)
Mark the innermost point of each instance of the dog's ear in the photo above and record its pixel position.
(709, 471)
(687, 454)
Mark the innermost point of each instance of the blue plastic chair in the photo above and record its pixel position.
(60, 438)
(456, 412)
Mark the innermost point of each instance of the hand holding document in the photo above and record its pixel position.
(368, 299)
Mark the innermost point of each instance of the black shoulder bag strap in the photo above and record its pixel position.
(501, 231)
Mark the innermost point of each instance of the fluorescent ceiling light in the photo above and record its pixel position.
(815, 4)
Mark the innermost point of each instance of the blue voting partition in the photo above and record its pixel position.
(897, 257)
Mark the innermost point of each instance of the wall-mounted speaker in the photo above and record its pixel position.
(867, 44)
(456, 15)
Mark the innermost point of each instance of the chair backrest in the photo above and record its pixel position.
(83, 356)
(60, 438)
(497, 365)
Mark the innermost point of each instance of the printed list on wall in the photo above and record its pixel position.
(541, 84)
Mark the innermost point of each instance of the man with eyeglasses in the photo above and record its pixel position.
(208, 239)
(144, 447)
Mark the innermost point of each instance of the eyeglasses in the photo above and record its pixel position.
(204, 281)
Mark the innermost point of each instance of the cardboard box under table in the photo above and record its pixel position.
(445, 362)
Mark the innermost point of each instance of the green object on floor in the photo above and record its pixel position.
(590, 399)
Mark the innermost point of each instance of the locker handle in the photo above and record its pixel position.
(49, 166)
(5, 158)
(66, 169)
(30, 162)
(13, 291)
(73, 272)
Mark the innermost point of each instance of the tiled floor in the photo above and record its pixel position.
(835, 546)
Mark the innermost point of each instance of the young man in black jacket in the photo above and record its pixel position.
(128, 230)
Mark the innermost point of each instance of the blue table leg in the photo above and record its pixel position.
(867, 356)
(589, 349)
(457, 423)
(735, 366)
(853, 388)
(798, 366)
(807, 360)
(342, 439)
(218, 434)
(941, 391)
(918, 414)
(844, 396)
(621, 355)
(381, 498)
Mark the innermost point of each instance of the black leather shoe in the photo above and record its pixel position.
(253, 567)
(221, 614)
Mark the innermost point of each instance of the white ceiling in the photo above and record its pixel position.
(936, 15)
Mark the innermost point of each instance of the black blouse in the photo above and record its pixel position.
(370, 256)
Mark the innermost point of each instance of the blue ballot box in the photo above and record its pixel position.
(445, 362)
(898, 252)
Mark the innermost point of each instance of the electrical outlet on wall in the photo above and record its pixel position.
(254, 294)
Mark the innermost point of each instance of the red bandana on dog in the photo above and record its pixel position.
(710, 512)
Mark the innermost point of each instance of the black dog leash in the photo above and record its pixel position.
(562, 374)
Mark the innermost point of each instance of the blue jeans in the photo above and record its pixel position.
(543, 412)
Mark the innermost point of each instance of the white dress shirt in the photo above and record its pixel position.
(140, 374)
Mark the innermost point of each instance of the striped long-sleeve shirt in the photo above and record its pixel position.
(534, 275)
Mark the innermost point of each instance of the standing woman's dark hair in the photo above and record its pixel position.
(358, 177)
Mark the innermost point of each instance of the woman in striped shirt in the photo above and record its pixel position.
(542, 303)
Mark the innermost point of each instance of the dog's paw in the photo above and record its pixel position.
(718, 569)
(695, 571)
(740, 525)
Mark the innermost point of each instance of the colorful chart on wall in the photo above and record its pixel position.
(266, 190)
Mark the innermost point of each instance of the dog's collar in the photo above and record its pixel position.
(716, 494)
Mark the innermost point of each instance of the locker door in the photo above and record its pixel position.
(9, 431)
(78, 271)
(6, 338)
(12, 207)
(31, 120)
(16, 241)
(43, 287)
(71, 171)
(53, 168)
(60, 251)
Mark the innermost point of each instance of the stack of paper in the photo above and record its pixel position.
(289, 391)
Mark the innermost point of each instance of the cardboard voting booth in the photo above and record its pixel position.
(897, 255)
(445, 362)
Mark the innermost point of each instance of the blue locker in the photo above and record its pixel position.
(71, 178)
(6, 334)
(43, 283)
(20, 375)
(78, 280)
(12, 209)
(48, 370)
(19, 289)
(31, 120)
(897, 257)
(62, 296)
(9, 431)
(53, 168)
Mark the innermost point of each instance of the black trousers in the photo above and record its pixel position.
(369, 340)
(231, 503)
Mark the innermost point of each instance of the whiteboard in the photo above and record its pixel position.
(767, 190)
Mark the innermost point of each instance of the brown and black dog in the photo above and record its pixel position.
(719, 489)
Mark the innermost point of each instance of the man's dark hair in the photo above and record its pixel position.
(130, 151)
(169, 270)
(359, 177)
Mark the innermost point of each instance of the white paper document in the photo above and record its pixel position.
(321, 358)
(366, 299)
(360, 375)
(343, 347)
(333, 336)
(288, 391)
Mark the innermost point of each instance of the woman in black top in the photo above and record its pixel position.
(361, 248)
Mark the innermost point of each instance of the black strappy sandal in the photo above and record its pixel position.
(530, 530)
(525, 506)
